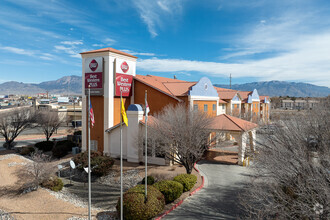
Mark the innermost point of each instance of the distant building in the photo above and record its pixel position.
(298, 104)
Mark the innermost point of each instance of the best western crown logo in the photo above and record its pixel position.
(124, 67)
(93, 65)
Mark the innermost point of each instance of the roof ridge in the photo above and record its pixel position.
(140, 80)
(167, 88)
(234, 121)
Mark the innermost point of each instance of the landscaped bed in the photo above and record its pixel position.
(72, 200)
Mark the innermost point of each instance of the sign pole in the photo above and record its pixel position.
(121, 159)
(89, 157)
(146, 150)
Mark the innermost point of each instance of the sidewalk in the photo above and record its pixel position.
(25, 137)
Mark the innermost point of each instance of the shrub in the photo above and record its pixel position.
(67, 143)
(60, 151)
(27, 150)
(45, 145)
(77, 133)
(135, 207)
(101, 163)
(53, 183)
(187, 180)
(170, 189)
(150, 180)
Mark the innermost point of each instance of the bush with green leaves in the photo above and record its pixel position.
(136, 207)
(27, 151)
(45, 145)
(150, 180)
(102, 164)
(187, 180)
(53, 183)
(170, 189)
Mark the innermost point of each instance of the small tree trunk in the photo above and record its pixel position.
(9, 144)
(188, 169)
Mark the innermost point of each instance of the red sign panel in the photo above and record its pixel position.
(94, 80)
(123, 84)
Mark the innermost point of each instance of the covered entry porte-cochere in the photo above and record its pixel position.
(244, 132)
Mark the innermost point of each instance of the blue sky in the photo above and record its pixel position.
(254, 40)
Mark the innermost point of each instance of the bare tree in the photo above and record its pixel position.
(35, 172)
(49, 122)
(180, 134)
(291, 172)
(13, 122)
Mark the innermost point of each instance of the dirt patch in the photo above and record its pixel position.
(35, 205)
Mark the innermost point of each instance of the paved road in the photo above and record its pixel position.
(218, 199)
(28, 141)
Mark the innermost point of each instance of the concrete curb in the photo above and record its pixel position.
(181, 201)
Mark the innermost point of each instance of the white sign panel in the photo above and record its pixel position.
(93, 64)
(94, 75)
(125, 67)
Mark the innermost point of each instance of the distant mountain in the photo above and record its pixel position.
(72, 85)
(63, 86)
(282, 88)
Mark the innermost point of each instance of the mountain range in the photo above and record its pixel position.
(282, 88)
(63, 86)
(73, 84)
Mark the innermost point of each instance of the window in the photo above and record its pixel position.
(223, 106)
(233, 106)
(214, 107)
(195, 107)
(205, 108)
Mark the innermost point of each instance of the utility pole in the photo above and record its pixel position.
(230, 81)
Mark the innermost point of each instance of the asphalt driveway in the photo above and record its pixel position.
(218, 199)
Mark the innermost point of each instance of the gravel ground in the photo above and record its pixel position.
(130, 178)
(5, 216)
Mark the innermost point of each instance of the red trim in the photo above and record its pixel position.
(39, 138)
(181, 201)
(199, 188)
(168, 211)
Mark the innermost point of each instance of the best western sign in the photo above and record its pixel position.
(94, 75)
(124, 77)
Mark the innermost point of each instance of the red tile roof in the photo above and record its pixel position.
(226, 122)
(222, 101)
(109, 49)
(262, 98)
(171, 87)
(151, 120)
(245, 95)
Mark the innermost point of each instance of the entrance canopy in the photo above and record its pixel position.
(243, 131)
(226, 122)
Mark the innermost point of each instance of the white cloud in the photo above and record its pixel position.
(152, 13)
(97, 45)
(77, 42)
(308, 62)
(68, 50)
(138, 53)
(77, 55)
(70, 47)
(18, 51)
(109, 41)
